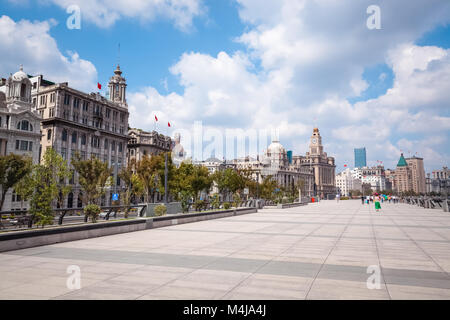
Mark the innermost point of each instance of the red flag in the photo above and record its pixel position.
(99, 86)
(156, 118)
(345, 165)
(168, 123)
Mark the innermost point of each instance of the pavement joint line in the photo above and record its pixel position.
(271, 260)
(378, 254)
(423, 251)
(329, 253)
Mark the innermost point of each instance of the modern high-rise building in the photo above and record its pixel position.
(360, 157)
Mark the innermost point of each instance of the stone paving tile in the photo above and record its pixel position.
(329, 289)
(320, 251)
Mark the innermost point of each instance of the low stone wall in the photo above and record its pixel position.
(291, 205)
(15, 240)
(172, 208)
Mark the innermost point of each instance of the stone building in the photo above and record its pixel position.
(323, 166)
(19, 126)
(403, 176)
(143, 143)
(439, 182)
(275, 162)
(346, 182)
(417, 174)
(88, 124)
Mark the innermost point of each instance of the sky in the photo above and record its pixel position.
(256, 65)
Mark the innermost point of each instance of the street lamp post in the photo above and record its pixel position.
(165, 178)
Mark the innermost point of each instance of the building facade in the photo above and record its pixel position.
(403, 176)
(417, 174)
(323, 166)
(88, 124)
(346, 182)
(360, 157)
(439, 182)
(143, 143)
(19, 127)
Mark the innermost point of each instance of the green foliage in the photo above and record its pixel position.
(236, 200)
(226, 205)
(135, 187)
(45, 184)
(92, 211)
(267, 188)
(13, 168)
(215, 202)
(160, 210)
(94, 176)
(184, 197)
(200, 205)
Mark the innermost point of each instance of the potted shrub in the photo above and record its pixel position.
(92, 211)
(160, 210)
(215, 202)
(199, 205)
(226, 205)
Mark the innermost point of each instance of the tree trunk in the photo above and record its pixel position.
(2, 199)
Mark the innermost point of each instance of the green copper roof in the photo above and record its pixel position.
(402, 162)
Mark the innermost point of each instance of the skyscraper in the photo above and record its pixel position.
(360, 158)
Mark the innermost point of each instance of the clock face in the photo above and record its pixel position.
(314, 140)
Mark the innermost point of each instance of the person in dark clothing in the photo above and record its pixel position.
(362, 199)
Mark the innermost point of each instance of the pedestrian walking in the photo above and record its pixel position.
(337, 197)
(377, 202)
(362, 199)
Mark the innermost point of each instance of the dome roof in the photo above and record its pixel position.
(275, 148)
(19, 75)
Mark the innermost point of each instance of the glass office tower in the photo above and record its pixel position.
(360, 157)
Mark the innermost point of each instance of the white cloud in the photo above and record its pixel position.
(30, 44)
(104, 13)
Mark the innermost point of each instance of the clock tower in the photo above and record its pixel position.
(315, 145)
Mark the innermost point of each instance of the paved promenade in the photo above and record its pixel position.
(319, 251)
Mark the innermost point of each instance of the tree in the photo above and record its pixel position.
(200, 180)
(12, 169)
(134, 185)
(268, 187)
(146, 170)
(94, 176)
(45, 184)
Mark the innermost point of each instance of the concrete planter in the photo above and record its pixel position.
(172, 208)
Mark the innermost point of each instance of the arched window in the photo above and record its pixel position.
(64, 135)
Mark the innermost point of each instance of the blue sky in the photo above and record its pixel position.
(237, 64)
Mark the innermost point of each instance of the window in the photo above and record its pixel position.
(64, 135)
(108, 113)
(52, 97)
(66, 99)
(83, 155)
(106, 143)
(24, 125)
(85, 106)
(121, 129)
(114, 115)
(113, 146)
(15, 197)
(64, 153)
(120, 146)
(83, 139)
(43, 100)
(122, 117)
(95, 142)
(74, 137)
(107, 126)
(51, 112)
(76, 102)
(24, 145)
(49, 134)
